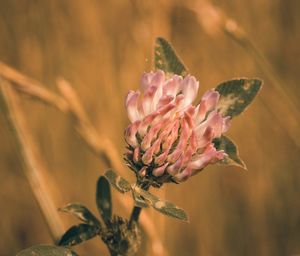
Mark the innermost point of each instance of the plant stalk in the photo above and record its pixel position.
(136, 211)
(135, 214)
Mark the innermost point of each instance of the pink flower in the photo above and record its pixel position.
(169, 139)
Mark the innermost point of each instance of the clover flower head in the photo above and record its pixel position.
(170, 139)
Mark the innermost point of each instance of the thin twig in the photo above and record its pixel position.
(68, 103)
(100, 145)
(135, 214)
(33, 167)
(32, 88)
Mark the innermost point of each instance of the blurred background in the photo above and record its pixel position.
(102, 48)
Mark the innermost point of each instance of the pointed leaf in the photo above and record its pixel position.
(170, 209)
(236, 95)
(164, 207)
(82, 213)
(166, 58)
(117, 181)
(46, 250)
(224, 143)
(103, 198)
(78, 234)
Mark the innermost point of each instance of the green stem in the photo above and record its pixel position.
(135, 214)
(136, 211)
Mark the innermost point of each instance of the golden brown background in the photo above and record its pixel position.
(102, 47)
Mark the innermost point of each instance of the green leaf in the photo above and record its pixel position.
(164, 207)
(170, 209)
(46, 250)
(166, 58)
(78, 234)
(103, 198)
(224, 143)
(236, 95)
(81, 212)
(117, 181)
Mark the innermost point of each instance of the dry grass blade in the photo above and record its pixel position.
(33, 167)
(100, 145)
(31, 87)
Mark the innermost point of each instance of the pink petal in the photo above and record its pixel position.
(164, 100)
(190, 88)
(164, 110)
(158, 78)
(179, 102)
(184, 136)
(200, 112)
(215, 121)
(132, 106)
(153, 91)
(148, 156)
(143, 171)
(136, 154)
(156, 146)
(175, 168)
(184, 175)
(167, 143)
(205, 138)
(191, 110)
(172, 86)
(146, 80)
(193, 141)
(147, 101)
(157, 96)
(189, 120)
(209, 155)
(151, 135)
(159, 160)
(174, 156)
(146, 123)
(130, 134)
(152, 78)
(208, 103)
(226, 124)
(211, 99)
(188, 155)
(164, 134)
(159, 171)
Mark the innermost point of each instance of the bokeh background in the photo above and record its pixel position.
(102, 48)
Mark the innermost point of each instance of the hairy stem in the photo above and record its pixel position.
(136, 211)
(135, 214)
